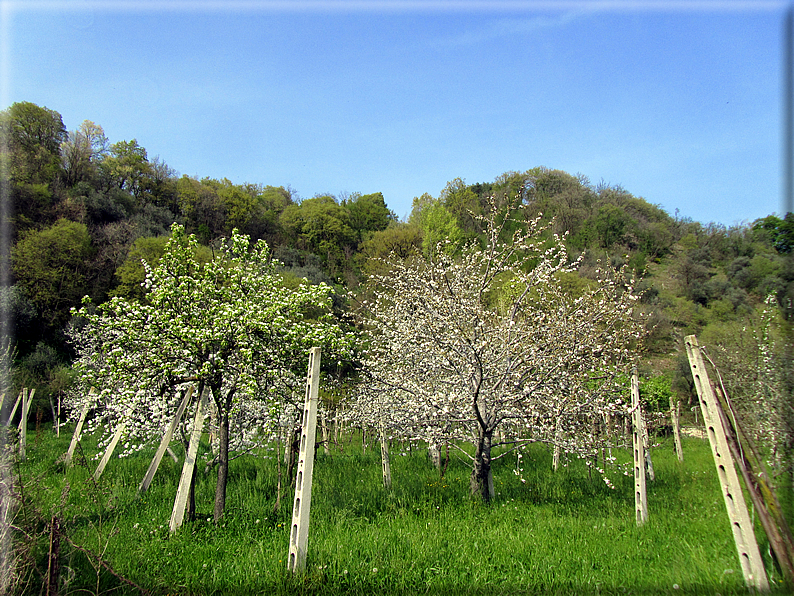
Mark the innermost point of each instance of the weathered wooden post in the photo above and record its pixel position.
(164, 442)
(384, 457)
(555, 458)
(646, 445)
(23, 422)
(14, 409)
(78, 429)
(183, 491)
(640, 492)
(299, 531)
(675, 416)
(112, 447)
(742, 527)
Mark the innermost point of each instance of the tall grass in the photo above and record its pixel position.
(564, 532)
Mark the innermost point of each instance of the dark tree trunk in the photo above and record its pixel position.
(223, 463)
(481, 483)
(294, 454)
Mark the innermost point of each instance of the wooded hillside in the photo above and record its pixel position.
(83, 212)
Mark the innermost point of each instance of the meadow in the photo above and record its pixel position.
(563, 532)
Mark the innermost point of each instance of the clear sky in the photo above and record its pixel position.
(678, 102)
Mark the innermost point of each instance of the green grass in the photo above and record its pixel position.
(561, 532)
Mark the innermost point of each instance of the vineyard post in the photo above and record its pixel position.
(165, 442)
(14, 409)
(646, 445)
(79, 428)
(299, 530)
(675, 415)
(112, 447)
(23, 423)
(183, 491)
(640, 493)
(741, 525)
(384, 456)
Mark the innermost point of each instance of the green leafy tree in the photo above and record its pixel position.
(34, 135)
(52, 268)
(322, 226)
(463, 204)
(438, 225)
(127, 168)
(368, 213)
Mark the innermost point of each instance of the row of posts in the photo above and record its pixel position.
(741, 525)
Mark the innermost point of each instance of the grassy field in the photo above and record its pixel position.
(561, 533)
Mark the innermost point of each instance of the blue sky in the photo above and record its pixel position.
(678, 102)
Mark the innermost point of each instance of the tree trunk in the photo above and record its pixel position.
(294, 447)
(434, 452)
(223, 463)
(481, 483)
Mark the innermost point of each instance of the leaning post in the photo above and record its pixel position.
(165, 442)
(746, 544)
(79, 428)
(299, 530)
(183, 491)
(640, 491)
(14, 409)
(112, 446)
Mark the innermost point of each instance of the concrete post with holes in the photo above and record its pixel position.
(640, 491)
(299, 529)
(742, 527)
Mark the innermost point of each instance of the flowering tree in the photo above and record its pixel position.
(464, 345)
(228, 325)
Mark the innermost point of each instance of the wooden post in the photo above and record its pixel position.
(646, 445)
(213, 439)
(112, 447)
(78, 429)
(23, 423)
(384, 457)
(182, 493)
(640, 492)
(675, 416)
(164, 443)
(555, 458)
(324, 423)
(14, 409)
(299, 531)
(742, 527)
